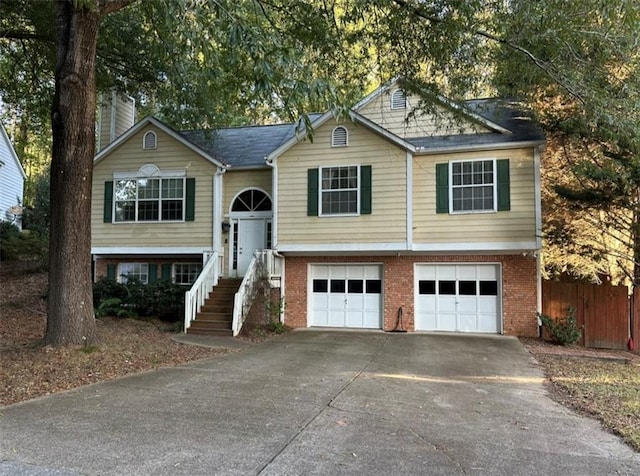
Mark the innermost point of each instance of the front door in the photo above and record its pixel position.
(251, 237)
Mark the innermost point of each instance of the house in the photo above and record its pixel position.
(12, 179)
(388, 219)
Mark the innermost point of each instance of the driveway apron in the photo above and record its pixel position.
(319, 402)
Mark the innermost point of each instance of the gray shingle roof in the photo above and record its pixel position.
(243, 146)
(248, 146)
(504, 113)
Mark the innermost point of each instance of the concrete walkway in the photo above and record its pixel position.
(324, 403)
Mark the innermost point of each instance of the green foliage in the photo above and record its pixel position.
(161, 299)
(562, 330)
(277, 327)
(36, 216)
(24, 246)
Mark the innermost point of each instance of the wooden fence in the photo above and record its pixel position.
(602, 311)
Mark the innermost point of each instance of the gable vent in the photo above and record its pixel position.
(150, 140)
(398, 99)
(339, 137)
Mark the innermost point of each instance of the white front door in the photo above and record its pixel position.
(251, 237)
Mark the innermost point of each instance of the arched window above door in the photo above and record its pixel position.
(251, 200)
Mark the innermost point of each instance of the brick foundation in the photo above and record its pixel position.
(519, 288)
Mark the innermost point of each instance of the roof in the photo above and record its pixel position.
(243, 146)
(507, 114)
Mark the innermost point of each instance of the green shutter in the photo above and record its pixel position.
(108, 202)
(504, 185)
(153, 273)
(190, 209)
(442, 188)
(166, 272)
(365, 190)
(312, 192)
(111, 271)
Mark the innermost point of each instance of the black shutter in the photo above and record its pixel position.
(312, 192)
(504, 185)
(108, 202)
(442, 188)
(365, 190)
(190, 206)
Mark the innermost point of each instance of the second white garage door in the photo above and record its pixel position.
(458, 297)
(346, 296)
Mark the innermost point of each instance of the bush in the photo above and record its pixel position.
(161, 299)
(562, 330)
(24, 246)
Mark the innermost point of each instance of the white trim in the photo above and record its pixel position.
(329, 247)
(12, 151)
(143, 250)
(248, 214)
(393, 99)
(150, 120)
(346, 136)
(494, 185)
(274, 202)
(409, 200)
(538, 195)
(321, 191)
(355, 117)
(217, 216)
(155, 140)
(478, 247)
(479, 147)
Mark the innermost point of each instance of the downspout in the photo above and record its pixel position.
(274, 231)
(537, 152)
(217, 210)
(409, 201)
(112, 119)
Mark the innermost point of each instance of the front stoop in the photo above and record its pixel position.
(216, 315)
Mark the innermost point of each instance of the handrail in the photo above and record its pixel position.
(196, 296)
(246, 292)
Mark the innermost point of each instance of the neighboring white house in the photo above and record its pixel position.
(12, 178)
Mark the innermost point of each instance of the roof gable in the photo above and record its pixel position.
(150, 120)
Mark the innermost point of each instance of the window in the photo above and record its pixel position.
(339, 190)
(398, 99)
(149, 199)
(340, 137)
(472, 186)
(133, 271)
(186, 273)
(150, 140)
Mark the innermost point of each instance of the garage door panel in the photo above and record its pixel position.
(351, 297)
(457, 297)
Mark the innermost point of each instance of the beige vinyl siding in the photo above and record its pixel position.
(518, 224)
(124, 112)
(235, 181)
(170, 155)
(387, 222)
(419, 124)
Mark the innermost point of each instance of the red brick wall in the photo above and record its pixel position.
(519, 288)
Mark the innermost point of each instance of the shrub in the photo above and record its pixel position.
(24, 246)
(161, 299)
(562, 330)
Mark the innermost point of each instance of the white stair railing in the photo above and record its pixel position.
(264, 264)
(196, 296)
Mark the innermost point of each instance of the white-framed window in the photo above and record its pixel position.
(339, 190)
(340, 137)
(137, 271)
(150, 140)
(149, 199)
(398, 99)
(186, 273)
(473, 186)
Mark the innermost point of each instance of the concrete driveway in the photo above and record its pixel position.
(315, 402)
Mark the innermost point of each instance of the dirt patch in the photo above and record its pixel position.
(604, 384)
(28, 369)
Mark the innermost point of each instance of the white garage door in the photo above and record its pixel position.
(458, 297)
(346, 296)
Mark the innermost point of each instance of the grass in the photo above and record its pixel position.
(606, 389)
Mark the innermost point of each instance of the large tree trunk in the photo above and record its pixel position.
(71, 319)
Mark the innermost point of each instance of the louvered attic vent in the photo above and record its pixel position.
(150, 140)
(398, 99)
(339, 137)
